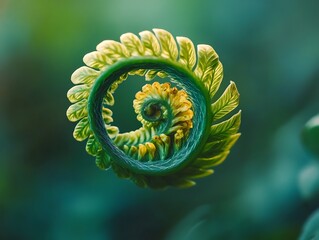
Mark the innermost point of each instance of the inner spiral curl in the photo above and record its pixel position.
(166, 117)
(152, 112)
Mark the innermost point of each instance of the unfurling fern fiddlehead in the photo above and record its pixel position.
(183, 133)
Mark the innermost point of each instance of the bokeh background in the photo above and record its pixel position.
(51, 189)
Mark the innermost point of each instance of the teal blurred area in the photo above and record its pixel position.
(51, 189)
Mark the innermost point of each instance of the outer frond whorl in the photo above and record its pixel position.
(179, 139)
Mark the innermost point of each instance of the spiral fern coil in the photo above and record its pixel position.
(183, 134)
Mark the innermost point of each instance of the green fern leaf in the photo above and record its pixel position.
(226, 103)
(107, 115)
(168, 44)
(195, 172)
(217, 77)
(112, 49)
(78, 93)
(140, 72)
(162, 74)
(212, 161)
(150, 43)
(103, 160)
(150, 75)
(109, 99)
(82, 130)
(92, 146)
(84, 75)
(226, 128)
(97, 60)
(214, 148)
(182, 183)
(207, 59)
(187, 53)
(112, 131)
(77, 111)
(133, 44)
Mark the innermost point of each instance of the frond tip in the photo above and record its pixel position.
(179, 139)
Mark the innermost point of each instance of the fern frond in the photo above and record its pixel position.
(179, 139)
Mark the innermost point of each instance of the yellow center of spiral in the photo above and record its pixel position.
(152, 112)
(158, 106)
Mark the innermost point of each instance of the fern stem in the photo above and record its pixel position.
(198, 95)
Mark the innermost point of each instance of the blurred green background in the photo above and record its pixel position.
(51, 189)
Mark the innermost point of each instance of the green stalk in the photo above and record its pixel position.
(197, 93)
